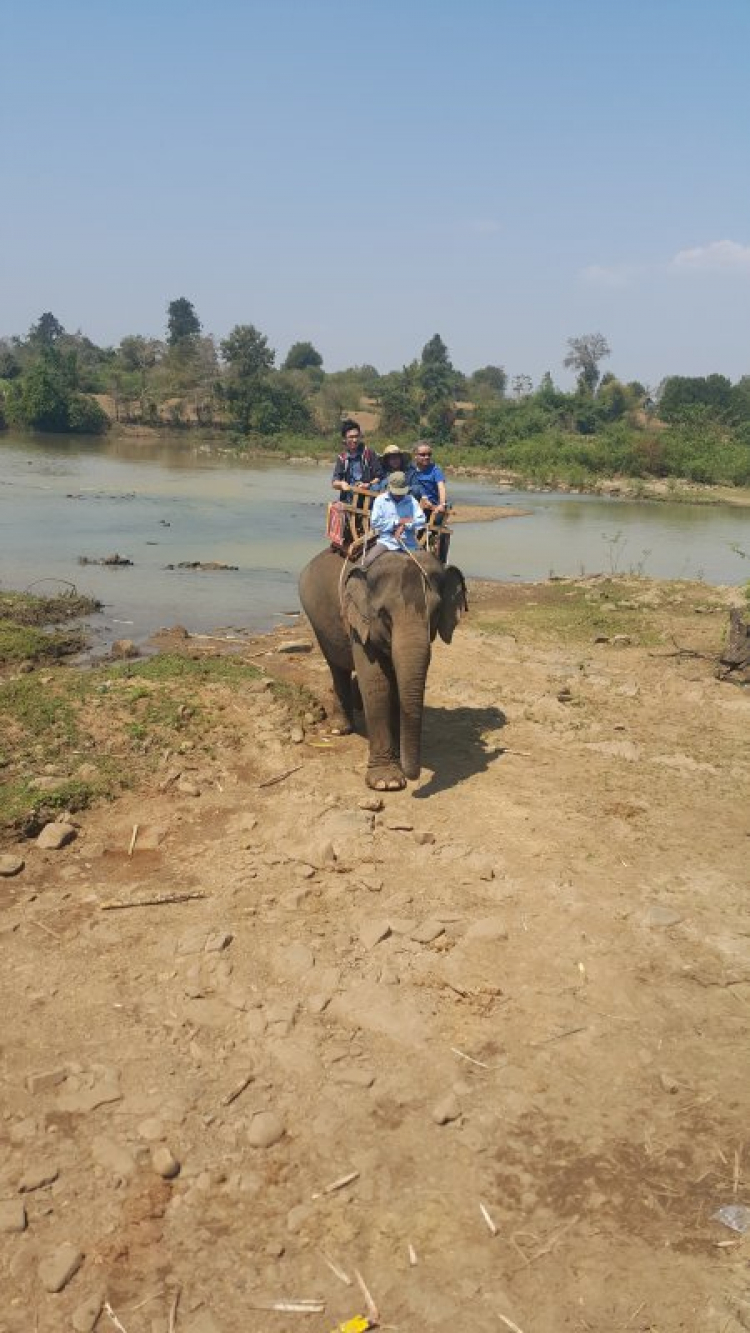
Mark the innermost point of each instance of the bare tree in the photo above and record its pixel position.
(584, 357)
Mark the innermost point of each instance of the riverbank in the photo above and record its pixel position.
(320, 453)
(486, 1060)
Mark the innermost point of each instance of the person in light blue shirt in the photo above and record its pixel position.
(395, 518)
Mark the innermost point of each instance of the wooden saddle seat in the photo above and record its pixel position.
(348, 527)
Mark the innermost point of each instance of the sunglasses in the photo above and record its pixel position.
(429, 455)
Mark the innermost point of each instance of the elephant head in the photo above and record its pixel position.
(393, 610)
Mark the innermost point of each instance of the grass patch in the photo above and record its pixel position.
(23, 618)
(566, 612)
(87, 735)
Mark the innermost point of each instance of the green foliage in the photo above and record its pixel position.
(436, 374)
(399, 404)
(45, 398)
(46, 331)
(487, 384)
(680, 394)
(182, 321)
(247, 353)
(303, 356)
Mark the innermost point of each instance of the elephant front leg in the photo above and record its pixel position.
(379, 696)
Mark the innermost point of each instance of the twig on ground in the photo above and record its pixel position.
(291, 1307)
(336, 1185)
(173, 1310)
(269, 782)
(558, 1036)
(736, 1176)
(160, 901)
(372, 1308)
(48, 929)
(413, 1261)
(133, 840)
(510, 1324)
(470, 1058)
(337, 1272)
(113, 1317)
(238, 1091)
(488, 1220)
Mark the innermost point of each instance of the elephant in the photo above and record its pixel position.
(379, 621)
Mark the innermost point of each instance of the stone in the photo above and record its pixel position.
(373, 932)
(43, 1081)
(122, 648)
(298, 1217)
(265, 1129)
(295, 646)
(372, 803)
(11, 865)
(659, 917)
(115, 1159)
(427, 931)
(56, 1270)
(373, 883)
(217, 941)
(399, 825)
(423, 838)
(36, 1176)
(488, 928)
(352, 1076)
(447, 1109)
(54, 836)
(164, 1164)
(152, 1130)
(86, 1314)
(297, 735)
(102, 1088)
(12, 1217)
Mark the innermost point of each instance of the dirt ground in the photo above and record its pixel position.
(510, 1006)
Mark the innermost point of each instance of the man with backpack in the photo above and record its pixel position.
(356, 465)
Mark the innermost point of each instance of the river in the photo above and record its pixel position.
(159, 504)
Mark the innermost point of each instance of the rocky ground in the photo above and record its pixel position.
(480, 1043)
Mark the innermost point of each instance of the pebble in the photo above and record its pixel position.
(669, 1083)
(373, 803)
(11, 865)
(12, 1217)
(297, 735)
(54, 836)
(659, 917)
(448, 1109)
(424, 838)
(164, 1164)
(428, 931)
(372, 932)
(85, 1315)
(352, 1076)
(152, 1130)
(297, 1217)
(36, 1176)
(265, 1129)
(59, 1267)
(295, 646)
(217, 941)
(41, 1082)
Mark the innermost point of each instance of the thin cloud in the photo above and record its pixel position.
(716, 257)
(608, 275)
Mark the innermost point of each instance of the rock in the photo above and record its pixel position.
(36, 1176)
(217, 941)
(54, 836)
(102, 1086)
(11, 865)
(352, 1076)
(298, 1217)
(297, 735)
(373, 883)
(265, 1129)
(488, 928)
(372, 803)
(295, 646)
(43, 1081)
(399, 825)
(123, 648)
(85, 1315)
(659, 918)
(115, 1159)
(424, 838)
(12, 1217)
(59, 1267)
(668, 1083)
(428, 931)
(448, 1109)
(164, 1164)
(372, 932)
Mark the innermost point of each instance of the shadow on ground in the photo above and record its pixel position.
(458, 743)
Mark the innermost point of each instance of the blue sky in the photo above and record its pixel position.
(508, 173)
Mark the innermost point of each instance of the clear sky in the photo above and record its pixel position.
(508, 173)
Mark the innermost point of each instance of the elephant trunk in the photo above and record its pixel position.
(411, 658)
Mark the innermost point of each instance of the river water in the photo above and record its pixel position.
(160, 504)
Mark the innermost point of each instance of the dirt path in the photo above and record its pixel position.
(522, 986)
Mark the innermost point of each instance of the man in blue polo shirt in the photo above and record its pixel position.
(427, 481)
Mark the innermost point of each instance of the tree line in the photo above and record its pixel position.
(53, 380)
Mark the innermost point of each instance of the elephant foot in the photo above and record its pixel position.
(385, 779)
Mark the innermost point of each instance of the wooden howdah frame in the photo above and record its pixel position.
(348, 527)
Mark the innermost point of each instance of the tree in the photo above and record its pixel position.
(398, 398)
(46, 331)
(488, 382)
(182, 322)
(302, 356)
(247, 353)
(584, 357)
(679, 393)
(522, 385)
(436, 374)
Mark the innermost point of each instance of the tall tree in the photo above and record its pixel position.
(584, 356)
(436, 374)
(303, 356)
(247, 353)
(46, 331)
(182, 321)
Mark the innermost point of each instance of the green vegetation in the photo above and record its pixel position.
(23, 618)
(693, 428)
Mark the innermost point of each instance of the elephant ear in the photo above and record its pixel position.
(453, 603)
(356, 605)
